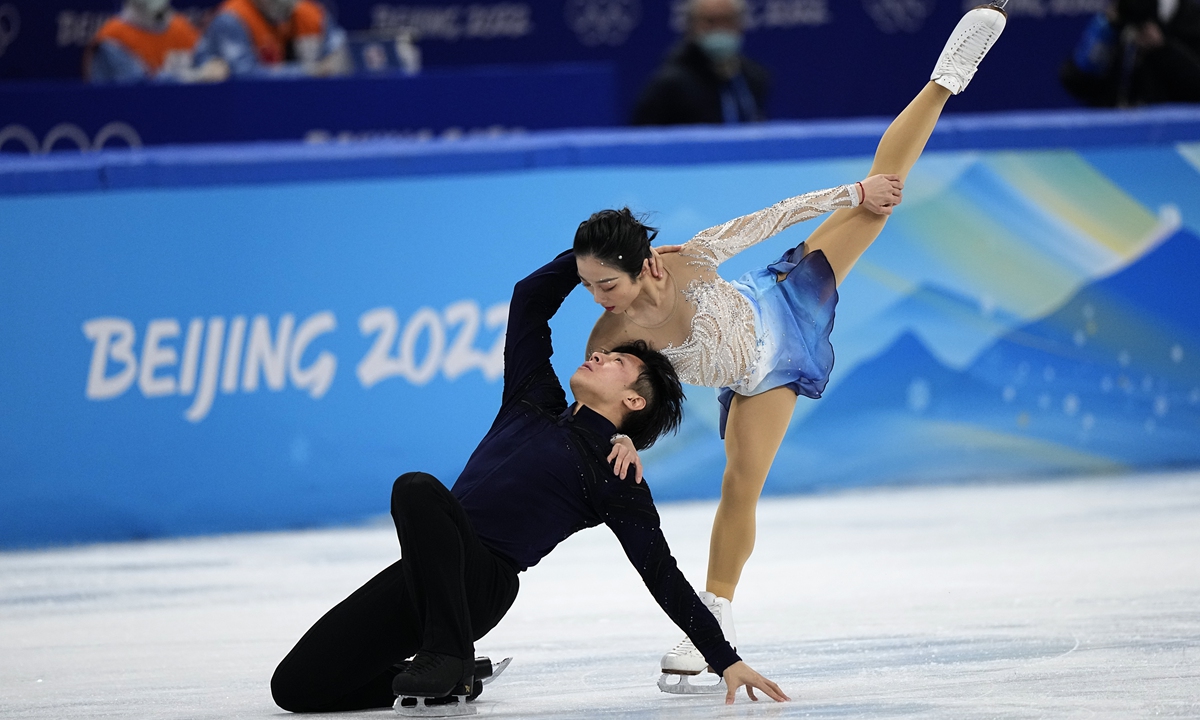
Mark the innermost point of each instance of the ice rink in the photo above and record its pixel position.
(1069, 599)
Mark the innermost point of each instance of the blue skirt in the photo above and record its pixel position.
(793, 320)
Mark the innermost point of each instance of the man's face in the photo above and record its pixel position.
(606, 378)
(715, 16)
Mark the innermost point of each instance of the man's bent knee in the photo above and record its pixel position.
(411, 488)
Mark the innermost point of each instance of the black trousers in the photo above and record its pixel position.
(445, 592)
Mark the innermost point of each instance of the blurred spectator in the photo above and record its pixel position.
(706, 79)
(275, 37)
(147, 40)
(1138, 52)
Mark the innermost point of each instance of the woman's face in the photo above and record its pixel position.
(610, 286)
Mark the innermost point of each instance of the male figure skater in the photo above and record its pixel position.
(540, 474)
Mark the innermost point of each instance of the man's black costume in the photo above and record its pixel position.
(539, 475)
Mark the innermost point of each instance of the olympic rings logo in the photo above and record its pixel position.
(603, 22)
(899, 16)
(71, 133)
(10, 26)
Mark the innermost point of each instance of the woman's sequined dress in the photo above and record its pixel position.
(759, 332)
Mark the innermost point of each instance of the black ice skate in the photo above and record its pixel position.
(450, 704)
(434, 685)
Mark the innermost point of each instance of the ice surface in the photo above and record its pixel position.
(1074, 599)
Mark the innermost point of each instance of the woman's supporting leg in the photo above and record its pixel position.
(846, 234)
(753, 434)
(757, 424)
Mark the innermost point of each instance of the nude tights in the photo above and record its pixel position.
(757, 424)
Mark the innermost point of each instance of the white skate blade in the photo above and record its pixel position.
(409, 706)
(496, 670)
(684, 686)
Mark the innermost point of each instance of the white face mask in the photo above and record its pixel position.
(152, 8)
(721, 45)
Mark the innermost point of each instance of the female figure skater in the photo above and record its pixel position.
(765, 338)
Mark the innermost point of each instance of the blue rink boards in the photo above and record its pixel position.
(221, 339)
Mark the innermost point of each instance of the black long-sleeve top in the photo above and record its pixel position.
(541, 473)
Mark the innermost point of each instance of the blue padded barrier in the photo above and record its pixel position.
(294, 162)
(228, 338)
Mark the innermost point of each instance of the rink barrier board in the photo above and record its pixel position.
(1044, 324)
(265, 163)
(38, 118)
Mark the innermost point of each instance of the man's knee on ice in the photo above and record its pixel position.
(291, 692)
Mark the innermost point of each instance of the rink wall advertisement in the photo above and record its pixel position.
(189, 360)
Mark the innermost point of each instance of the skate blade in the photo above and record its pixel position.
(684, 686)
(499, 668)
(452, 706)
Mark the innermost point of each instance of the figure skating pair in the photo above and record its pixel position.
(542, 473)
(763, 339)
(548, 468)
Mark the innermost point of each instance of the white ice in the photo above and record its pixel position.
(1072, 599)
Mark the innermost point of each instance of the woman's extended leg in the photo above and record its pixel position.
(753, 434)
(846, 234)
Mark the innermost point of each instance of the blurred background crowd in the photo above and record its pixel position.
(442, 68)
(1134, 51)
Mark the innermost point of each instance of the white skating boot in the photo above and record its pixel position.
(684, 660)
(972, 38)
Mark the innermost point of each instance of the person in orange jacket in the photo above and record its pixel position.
(146, 40)
(275, 37)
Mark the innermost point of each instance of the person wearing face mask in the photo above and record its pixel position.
(146, 40)
(275, 37)
(706, 78)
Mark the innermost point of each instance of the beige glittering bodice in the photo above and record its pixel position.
(722, 348)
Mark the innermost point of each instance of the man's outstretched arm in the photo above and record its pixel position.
(630, 513)
(535, 299)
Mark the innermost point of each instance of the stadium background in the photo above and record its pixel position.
(263, 335)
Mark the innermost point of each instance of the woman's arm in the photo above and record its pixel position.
(879, 193)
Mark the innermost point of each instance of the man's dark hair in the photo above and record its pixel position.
(659, 385)
(617, 238)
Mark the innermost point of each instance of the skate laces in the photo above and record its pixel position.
(685, 647)
(424, 662)
(971, 48)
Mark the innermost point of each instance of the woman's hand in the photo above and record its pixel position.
(739, 674)
(623, 456)
(882, 193)
(654, 262)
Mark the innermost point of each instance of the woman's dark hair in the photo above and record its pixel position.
(615, 237)
(659, 385)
